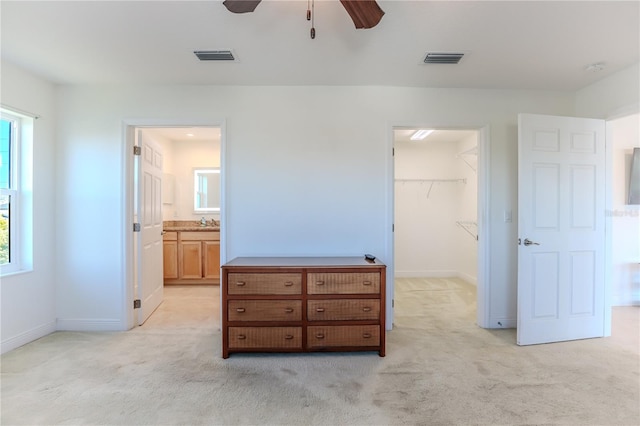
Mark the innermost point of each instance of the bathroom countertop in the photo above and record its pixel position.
(189, 225)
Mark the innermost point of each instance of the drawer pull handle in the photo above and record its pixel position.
(288, 337)
(319, 309)
(241, 337)
(288, 310)
(319, 336)
(366, 309)
(288, 284)
(319, 282)
(241, 310)
(366, 283)
(240, 283)
(366, 335)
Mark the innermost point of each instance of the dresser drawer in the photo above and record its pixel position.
(343, 335)
(343, 283)
(265, 310)
(343, 309)
(265, 337)
(264, 283)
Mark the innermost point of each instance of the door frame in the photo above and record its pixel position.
(483, 200)
(129, 127)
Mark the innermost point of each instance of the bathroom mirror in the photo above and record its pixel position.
(206, 194)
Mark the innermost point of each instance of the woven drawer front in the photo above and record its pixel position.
(347, 309)
(264, 283)
(265, 310)
(343, 335)
(343, 283)
(265, 337)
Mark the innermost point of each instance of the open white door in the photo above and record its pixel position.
(149, 250)
(561, 229)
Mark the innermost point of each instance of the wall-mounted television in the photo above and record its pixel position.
(634, 179)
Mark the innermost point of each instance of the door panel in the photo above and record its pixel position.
(561, 224)
(150, 288)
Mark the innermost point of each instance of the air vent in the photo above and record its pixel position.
(214, 55)
(443, 58)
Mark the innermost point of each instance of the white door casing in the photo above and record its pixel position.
(561, 229)
(149, 208)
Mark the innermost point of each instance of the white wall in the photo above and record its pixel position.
(301, 179)
(28, 299)
(625, 280)
(428, 243)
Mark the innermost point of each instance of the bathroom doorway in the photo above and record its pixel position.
(183, 149)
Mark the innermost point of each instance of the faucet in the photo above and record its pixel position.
(203, 221)
(214, 223)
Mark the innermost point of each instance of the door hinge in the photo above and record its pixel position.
(136, 227)
(137, 150)
(393, 303)
(393, 227)
(393, 152)
(137, 304)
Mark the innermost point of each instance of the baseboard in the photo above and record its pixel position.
(468, 278)
(82, 324)
(27, 337)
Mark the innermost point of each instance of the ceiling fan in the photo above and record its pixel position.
(363, 13)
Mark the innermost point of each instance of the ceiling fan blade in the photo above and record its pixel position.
(364, 13)
(241, 6)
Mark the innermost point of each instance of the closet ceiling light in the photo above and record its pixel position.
(421, 134)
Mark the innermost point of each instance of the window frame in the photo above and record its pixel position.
(16, 256)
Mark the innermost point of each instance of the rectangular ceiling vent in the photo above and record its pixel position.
(214, 55)
(443, 58)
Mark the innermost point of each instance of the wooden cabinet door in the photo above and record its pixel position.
(170, 259)
(211, 259)
(190, 259)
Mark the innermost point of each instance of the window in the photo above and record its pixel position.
(15, 129)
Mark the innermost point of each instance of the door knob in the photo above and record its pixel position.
(528, 242)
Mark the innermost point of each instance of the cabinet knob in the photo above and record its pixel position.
(319, 309)
(319, 282)
(288, 337)
(288, 310)
(366, 309)
(240, 283)
(366, 335)
(319, 336)
(366, 283)
(241, 337)
(241, 310)
(288, 284)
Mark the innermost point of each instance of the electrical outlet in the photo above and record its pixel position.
(507, 216)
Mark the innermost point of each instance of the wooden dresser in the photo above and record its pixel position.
(303, 304)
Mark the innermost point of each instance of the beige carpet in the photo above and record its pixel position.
(440, 369)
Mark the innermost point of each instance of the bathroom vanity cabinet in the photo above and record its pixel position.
(303, 304)
(192, 257)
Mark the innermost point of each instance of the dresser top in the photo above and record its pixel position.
(301, 262)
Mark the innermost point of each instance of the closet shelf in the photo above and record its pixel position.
(470, 152)
(470, 227)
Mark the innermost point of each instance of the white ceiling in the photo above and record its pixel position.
(508, 44)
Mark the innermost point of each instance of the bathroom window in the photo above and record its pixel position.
(15, 178)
